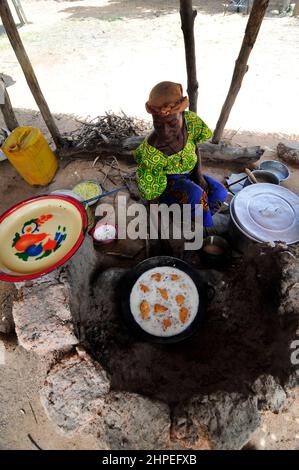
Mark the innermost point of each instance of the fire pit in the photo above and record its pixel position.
(204, 393)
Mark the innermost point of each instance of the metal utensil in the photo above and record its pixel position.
(251, 176)
(96, 198)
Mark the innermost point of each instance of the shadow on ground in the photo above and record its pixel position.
(2, 29)
(122, 9)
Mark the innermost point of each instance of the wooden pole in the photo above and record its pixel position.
(252, 29)
(7, 110)
(20, 12)
(187, 19)
(296, 9)
(16, 42)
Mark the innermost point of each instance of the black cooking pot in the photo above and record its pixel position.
(205, 293)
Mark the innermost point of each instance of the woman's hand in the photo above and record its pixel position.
(154, 201)
(201, 181)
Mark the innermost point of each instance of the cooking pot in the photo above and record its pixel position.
(264, 213)
(216, 252)
(262, 176)
(205, 293)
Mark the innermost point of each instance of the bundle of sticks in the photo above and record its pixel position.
(107, 128)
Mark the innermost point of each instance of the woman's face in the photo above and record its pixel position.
(168, 127)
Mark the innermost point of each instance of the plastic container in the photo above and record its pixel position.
(30, 154)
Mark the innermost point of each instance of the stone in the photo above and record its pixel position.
(270, 394)
(129, 421)
(51, 278)
(292, 382)
(70, 387)
(289, 303)
(289, 152)
(2, 353)
(106, 322)
(220, 421)
(7, 295)
(43, 319)
(78, 272)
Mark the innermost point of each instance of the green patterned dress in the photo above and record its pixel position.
(153, 166)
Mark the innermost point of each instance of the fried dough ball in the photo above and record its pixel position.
(184, 312)
(163, 293)
(144, 310)
(160, 308)
(167, 322)
(144, 288)
(180, 299)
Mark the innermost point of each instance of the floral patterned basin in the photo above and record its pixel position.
(38, 235)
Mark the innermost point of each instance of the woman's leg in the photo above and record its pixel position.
(182, 190)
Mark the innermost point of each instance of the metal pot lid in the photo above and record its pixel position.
(267, 212)
(233, 218)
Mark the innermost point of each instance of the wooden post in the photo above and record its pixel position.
(6, 109)
(20, 12)
(296, 9)
(187, 19)
(16, 42)
(252, 29)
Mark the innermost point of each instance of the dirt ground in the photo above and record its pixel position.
(97, 55)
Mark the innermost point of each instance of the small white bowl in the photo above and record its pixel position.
(104, 233)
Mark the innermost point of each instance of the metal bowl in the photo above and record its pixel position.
(97, 187)
(216, 252)
(263, 176)
(278, 169)
(68, 193)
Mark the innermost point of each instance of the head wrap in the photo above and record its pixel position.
(166, 98)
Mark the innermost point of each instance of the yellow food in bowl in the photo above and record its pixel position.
(88, 190)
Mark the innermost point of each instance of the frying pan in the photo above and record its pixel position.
(205, 292)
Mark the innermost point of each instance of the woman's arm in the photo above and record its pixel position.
(197, 172)
(154, 201)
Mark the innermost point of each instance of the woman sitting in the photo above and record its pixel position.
(168, 161)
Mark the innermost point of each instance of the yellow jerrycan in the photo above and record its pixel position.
(28, 151)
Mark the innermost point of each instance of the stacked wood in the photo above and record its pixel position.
(105, 129)
(227, 154)
(120, 135)
(124, 148)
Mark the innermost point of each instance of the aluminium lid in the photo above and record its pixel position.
(267, 212)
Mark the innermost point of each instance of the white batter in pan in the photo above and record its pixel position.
(164, 301)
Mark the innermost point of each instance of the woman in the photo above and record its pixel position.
(168, 161)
